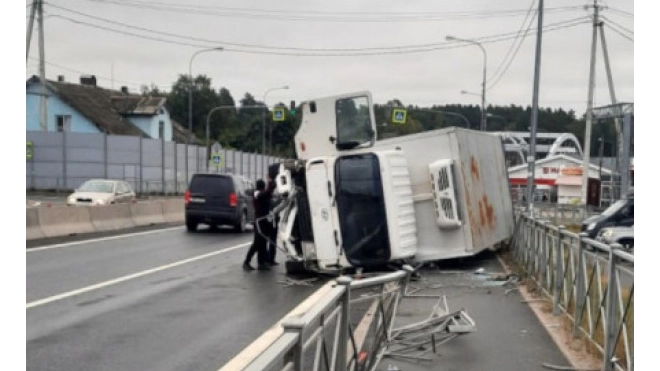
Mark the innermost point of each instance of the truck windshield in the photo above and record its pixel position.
(361, 208)
(353, 122)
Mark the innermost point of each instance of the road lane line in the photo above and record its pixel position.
(100, 285)
(35, 249)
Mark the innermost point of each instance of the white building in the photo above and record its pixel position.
(557, 178)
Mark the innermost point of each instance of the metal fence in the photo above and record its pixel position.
(560, 214)
(332, 335)
(591, 282)
(62, 161)
(353, 327)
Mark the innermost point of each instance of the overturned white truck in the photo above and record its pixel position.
(351, 201)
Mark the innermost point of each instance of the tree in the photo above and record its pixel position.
(204, 98)
(224, 125)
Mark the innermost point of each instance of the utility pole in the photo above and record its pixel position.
(531, 159)
(43, 104)
(610, 83)
(590, 104)
(33, 10)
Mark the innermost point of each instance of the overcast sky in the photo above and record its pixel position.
(394, 49)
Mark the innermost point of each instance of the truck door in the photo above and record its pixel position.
(320, 189)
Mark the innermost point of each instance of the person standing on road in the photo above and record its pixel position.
(272, 233)
(259, 244)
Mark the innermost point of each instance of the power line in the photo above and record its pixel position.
(322, 16)
(619, 32)
(273, 49)
(618, 25)
(627, 14)
(218, 42)
(508, 53)
(97, 76)
(516, 53)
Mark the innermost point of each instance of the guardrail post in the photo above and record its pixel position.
(559, 271)
(546, 250)
(610, 310)
(296, 325)
(342, 345)
(533, 240)
(402, 293)
(580, 291)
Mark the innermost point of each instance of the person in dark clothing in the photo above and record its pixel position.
(261, 208)
(271, 248)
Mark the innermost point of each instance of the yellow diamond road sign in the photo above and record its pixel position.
(399, 116)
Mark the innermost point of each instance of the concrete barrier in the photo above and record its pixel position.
(111, 217)
(42, 222)
(63, 220)
(147, 213)
(174, 210)
(32, 226)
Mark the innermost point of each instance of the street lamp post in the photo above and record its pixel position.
(263, 119)
(190, 87)
(208, 120)
(483, 83)
(467, 122)
(499, 117)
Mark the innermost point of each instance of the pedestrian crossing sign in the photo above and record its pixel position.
(216, 161)
(399, 116)
(278, 114)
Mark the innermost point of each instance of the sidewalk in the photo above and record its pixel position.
(509, 335)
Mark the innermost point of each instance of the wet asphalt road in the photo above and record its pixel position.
(155, 300)
(163, 299)
(508, 335)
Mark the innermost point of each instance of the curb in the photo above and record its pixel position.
(579, 359)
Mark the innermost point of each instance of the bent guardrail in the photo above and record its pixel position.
(591, 282)
(351, 327)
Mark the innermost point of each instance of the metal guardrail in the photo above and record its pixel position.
(333, 334)
(591, 282)
(559, 214)
(352, 328)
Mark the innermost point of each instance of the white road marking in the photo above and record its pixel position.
(99, 239)
(100, 285)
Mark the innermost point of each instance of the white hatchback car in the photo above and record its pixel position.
(95, 192)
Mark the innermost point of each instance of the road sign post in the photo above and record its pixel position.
(216, 160)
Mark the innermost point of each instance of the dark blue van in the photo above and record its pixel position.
(219, 199)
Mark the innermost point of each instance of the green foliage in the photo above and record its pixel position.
(241, 128)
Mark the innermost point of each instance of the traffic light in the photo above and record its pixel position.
(292, 108)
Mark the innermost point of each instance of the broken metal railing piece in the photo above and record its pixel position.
(416, 340)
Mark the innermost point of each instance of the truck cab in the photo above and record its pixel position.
(357, 202)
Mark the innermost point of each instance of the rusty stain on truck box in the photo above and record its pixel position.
(474, 168)
(486, 213)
